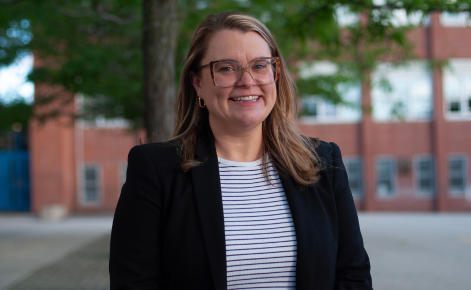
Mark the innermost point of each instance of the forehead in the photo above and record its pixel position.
(236, 45)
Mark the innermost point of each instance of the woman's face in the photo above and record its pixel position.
(226, 109)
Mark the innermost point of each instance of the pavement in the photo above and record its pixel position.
(417, 251)
(71, 254)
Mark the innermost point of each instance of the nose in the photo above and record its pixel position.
(245, 79)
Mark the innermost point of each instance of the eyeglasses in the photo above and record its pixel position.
(227, 73)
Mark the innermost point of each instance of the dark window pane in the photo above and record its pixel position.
(456, 165)
(91, 195)
(425, 175)
(455, 106)
(385, 175)
(354, 184)
(353, 168)
(311, 108)
(90, 184)
(457, 182)
(425, 183)
(424, 166)
(90, 173)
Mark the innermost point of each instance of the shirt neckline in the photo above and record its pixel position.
(240, 163)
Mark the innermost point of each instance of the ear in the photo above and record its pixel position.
(196, 82)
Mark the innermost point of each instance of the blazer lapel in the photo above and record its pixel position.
(207, 188)
(299, 203)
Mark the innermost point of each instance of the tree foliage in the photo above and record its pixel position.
(87, 47)
(17, 111)
(93, 47)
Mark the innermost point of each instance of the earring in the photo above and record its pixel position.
(201, 102)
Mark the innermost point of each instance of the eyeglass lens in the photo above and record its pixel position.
(227, 73)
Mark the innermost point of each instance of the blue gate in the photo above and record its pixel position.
(14, 180)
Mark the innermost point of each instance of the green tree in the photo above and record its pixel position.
(17, 111)
(125, 55)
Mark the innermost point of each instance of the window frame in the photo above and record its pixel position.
(100, 184)
(459, 71)
(416, 175)
(326, 111)
(357, 194)
(458, 193)
(460, 19)
(395, 100)
(393, 161)
(329, 113)
(122, 171)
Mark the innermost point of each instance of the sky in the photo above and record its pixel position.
(13, 81)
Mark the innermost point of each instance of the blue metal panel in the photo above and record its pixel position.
(14, 180)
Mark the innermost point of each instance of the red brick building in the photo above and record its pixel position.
(420, 162)
(417, 162)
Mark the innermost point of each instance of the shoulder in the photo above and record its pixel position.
(328, 152)
(161, 154)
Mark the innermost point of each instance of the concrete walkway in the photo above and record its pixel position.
(420, 251)
(407, 251)
(28, 245)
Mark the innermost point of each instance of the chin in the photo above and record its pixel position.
(251, 121)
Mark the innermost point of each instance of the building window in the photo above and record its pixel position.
(457, 175)
(91, 185)
(402, 92)
(355, 176)
(317, 109)
(123, 166)
(457, 89)
(455, 19)
(385, 177)
(425, 175)
(399, 17)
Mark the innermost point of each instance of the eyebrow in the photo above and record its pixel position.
(227, 59)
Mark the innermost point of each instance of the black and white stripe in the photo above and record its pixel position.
(260, 236)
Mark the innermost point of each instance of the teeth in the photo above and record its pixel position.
(246, 99)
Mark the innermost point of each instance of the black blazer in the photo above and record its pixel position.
(168, 228)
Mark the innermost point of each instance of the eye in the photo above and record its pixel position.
(225, 69)
(260, 66)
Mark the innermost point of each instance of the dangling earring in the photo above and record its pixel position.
(201, 102)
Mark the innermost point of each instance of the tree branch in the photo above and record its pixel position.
(73, 13)
(113, 18)
(99, 9)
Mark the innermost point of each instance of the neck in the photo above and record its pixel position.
(243, 145)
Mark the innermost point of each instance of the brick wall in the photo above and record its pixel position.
(108, 148)
(52, 154)
(408, 140)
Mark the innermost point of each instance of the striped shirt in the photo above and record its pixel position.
(260, 236)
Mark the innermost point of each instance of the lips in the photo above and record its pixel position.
(246, 99)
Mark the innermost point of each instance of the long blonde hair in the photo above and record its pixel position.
(291, 153)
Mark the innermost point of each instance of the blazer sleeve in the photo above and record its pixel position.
(134, 249)
(353, 264)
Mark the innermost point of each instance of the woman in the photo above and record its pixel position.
(236, 199)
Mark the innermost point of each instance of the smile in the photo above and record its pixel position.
(246, 99)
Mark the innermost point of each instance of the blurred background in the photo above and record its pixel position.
(388, 81)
